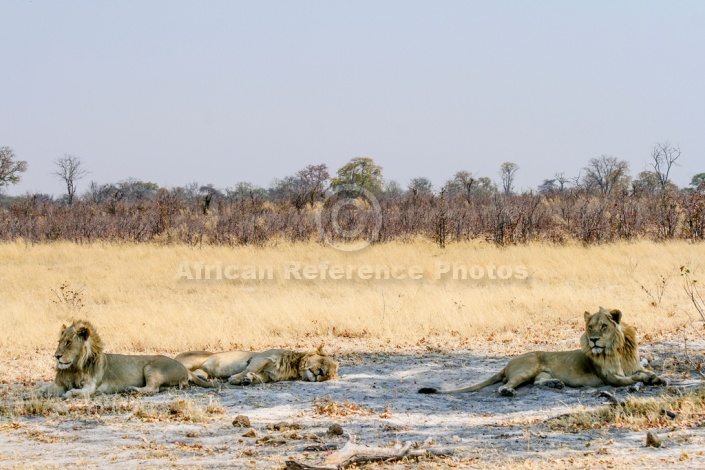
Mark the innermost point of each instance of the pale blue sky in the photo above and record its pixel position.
(220, 92)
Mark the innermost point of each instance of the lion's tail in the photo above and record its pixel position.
(193, 378)
(498, 377)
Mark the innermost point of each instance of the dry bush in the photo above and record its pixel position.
(172, 216)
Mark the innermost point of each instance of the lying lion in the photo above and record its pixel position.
(609, 355)
(82, 368)
(275, 365)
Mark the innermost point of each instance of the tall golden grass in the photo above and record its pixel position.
(132, 293)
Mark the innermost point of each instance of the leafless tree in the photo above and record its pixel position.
(10, 168)
(663, 157)
(70, 170)
(562, 181)
(314, 180)
(507, 172)
(606, 173)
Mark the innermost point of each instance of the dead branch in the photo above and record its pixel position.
(352, 453)
(610, 397)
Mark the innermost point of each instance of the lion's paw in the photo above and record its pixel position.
(656, 380)
(553, 383)
(507, 392)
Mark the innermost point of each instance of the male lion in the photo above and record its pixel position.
(82, 368)
(609, 355)
(274, 365)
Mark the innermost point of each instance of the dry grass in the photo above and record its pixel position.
(179, 409)
(680, 410)
(326, 406)
(132, 294)
(176, 410)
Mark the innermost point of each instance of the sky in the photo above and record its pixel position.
(219, 92)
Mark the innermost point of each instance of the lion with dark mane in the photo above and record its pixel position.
(82, 368)
(274, 365)
(609, 355)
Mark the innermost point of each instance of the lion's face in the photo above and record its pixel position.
(602, 331)
(74, 346)
(319, 367)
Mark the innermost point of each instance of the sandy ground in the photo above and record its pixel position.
(374, 400)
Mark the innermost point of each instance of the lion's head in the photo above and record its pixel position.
(318, 366)
(79, 345)
(604, 334)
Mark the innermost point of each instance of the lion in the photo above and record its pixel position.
(82, 368)
(609, 355)
(274, 365)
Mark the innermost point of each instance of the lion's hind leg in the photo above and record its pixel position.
(545, 379)
(520, 370)
(154, 379)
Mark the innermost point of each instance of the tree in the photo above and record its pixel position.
(307, 186)
(507, 172)
(663, 157)
(465, 183)
(70, 170)
(562, 181)
(548, 187)
(461, 183)
(361, 172)
(697, 180)
(421, 186)
(10, 168)
(606, 173)
(392, 189)
(646, 183)
(246, 190)
(291, 189)
(313, 180)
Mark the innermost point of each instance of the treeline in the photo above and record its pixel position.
(139, 212)
(603, 205)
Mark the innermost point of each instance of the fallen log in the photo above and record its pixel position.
(352, 453)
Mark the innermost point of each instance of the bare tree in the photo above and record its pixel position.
(314, 180)
(606, 173)
(562, 181)
(664, 156)
(70, 170)
(507, 172)
(10, 168)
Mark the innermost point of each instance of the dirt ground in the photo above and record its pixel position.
(375, 400)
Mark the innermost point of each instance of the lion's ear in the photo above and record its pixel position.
(320, 351)
(587, 316)
(616, 315)
(63, 328)
(82, 333)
